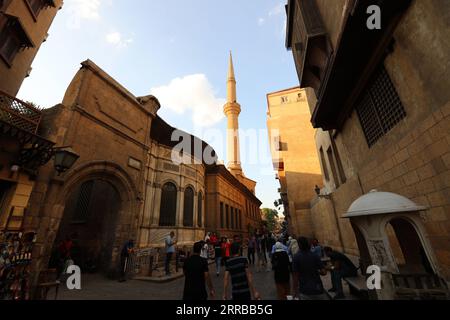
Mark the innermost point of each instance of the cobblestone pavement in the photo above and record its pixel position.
(97, 287)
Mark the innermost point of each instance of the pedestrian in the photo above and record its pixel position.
(341, 267)
(263, 244)
(261, 253)
(226, 250)
(196, 274)
(213, 239)
(218, 255)
(241, 277)
(278, 243)
(307, 268)
(251, 250)
(316, 248)
(270, 243)
(238, 239)
(64, 254)
(205, 249)
(293, 248)
(170, 250)
(127, 249)
(280, 266)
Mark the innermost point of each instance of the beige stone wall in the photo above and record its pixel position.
(289, 123)
(16, 202)
(11, 77)
(20, 185)
(219, 189)
(413, 159)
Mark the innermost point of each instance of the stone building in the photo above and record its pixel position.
(381, 105)
(233, 209)
(23, 28)
(294, 156)
(131, 181)
(100, 201)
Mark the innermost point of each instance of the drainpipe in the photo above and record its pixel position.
(337, 222)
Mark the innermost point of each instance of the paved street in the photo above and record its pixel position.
(97, 287)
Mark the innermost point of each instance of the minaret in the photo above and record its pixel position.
(232, 109)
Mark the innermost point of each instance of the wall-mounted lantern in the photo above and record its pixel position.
(65, 158)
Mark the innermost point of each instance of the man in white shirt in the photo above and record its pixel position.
(170, 250)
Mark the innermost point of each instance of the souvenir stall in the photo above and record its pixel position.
(15, 263)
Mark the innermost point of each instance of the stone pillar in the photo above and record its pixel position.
(195, 217)
(180, 207)
(156, 205)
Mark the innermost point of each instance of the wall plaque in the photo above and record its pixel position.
(136, 164)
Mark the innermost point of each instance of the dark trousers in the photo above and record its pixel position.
(167, 262)
(336, 279)
(123, 265)
(251, 255)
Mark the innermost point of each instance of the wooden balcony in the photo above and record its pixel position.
(19, 114)
(20, 121)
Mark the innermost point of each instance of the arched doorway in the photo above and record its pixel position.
(407, 249)
(89, 221)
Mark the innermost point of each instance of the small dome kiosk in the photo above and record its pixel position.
(390, 234)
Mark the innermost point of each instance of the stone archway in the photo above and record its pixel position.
(410, 253)
(111, 177)
(90, 222)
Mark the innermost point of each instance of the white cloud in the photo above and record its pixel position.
(261, 21)
(82, 10)
(194, 94)
(277, 10)
(116, 39)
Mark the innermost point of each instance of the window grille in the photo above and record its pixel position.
(380, 108)
(81, 214)
(168, 208)
(188, 217)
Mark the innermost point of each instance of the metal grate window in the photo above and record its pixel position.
(188, 218)
(168, 208)
(81, 214)
(380, 109)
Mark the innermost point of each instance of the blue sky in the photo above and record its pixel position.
(179, 47)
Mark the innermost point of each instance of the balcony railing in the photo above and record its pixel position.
(19, 114)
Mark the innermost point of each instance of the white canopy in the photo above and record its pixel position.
(376, 202)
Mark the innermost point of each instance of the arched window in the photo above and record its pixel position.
(188, 212)
(200, 210)
(168, 209)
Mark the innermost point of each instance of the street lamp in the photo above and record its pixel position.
(65, 158)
